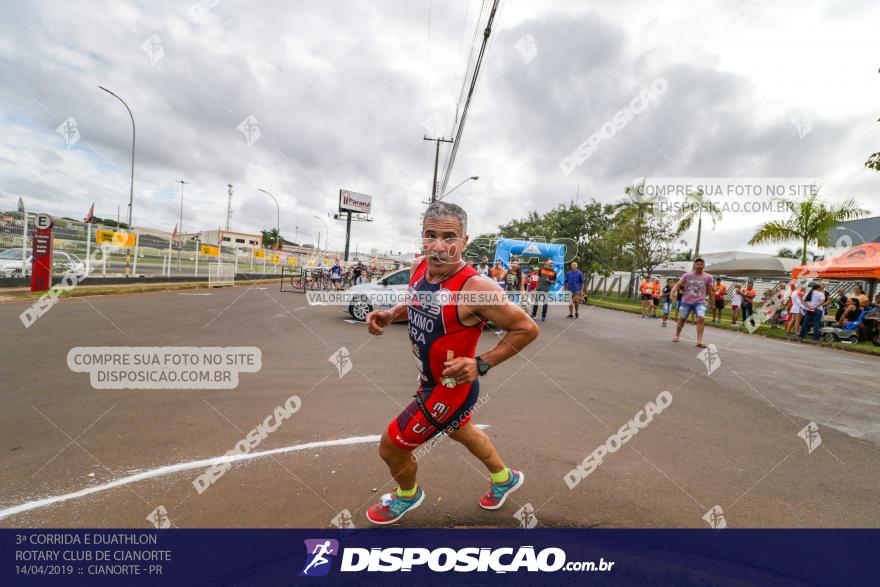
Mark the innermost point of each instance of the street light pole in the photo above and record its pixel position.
(131, 189)
(473, 177)
(278, 221)
(180, 223)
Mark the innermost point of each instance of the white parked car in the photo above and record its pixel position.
(11, 264)
(366, 297)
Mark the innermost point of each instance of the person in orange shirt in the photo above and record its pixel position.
(646, 290)
(498, 273)
(655, 295)
(749, 294)
(718, 305)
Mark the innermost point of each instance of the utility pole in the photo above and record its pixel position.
(436, 162)
(229, 207)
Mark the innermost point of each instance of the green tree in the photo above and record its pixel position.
(271, 238)
(809, 222)
(787, 253)
(873, 161)
(643, 236)
(687, 255)
(696, 204)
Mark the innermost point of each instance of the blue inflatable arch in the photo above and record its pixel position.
(505, 248)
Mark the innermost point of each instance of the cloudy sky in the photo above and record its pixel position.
(343, 92)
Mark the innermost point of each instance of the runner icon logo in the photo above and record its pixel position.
(342, 359)
(319, 554)
(710, 358)
(343, 520)
(810, 434)
(715, 518)
(526, 516)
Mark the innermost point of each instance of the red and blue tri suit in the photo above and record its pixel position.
(434, 331)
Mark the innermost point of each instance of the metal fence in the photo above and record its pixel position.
(77, 245)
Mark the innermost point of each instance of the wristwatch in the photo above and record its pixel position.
(482, 366)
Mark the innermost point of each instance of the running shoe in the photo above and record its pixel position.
(498, 492)
(392, 507)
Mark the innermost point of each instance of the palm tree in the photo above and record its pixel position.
(809, 222)
(695, 203)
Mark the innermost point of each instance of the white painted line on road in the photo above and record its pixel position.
(355, 321)
(200, 464)
(194, 294)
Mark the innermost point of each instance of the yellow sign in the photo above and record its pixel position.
(291, 260)
(209, 250)
(259, 253)
(275, 259)
(117, 239)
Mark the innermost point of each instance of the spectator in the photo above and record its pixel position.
(814, 301)
(574, 282)
(498, 273)
(655, 296)
(850, 312)
(483, 267)
(736, 301)
(645, 291)
(795, 309)
(546, 277)
(859, 294)
(718, 305)
(842, 301)
(749, 294)
(533, 279)
(513, 281)
(666, 298)
(362, 277)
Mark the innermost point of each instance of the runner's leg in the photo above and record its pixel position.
(479, 445)
(399, 462)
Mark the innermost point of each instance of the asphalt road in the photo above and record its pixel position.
(728, 439)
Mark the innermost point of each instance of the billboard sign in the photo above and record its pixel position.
(354, 202)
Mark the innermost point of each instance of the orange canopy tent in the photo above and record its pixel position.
(861, 262)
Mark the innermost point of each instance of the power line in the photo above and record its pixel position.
(473, 83)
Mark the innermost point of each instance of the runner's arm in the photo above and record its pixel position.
(519, 329)
(676, 286)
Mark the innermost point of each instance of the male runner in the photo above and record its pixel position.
(697, 288)
(448, 387)
(336, 275)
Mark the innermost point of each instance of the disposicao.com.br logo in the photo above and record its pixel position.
(442, 560)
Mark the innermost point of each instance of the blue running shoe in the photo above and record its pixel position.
(498, 492)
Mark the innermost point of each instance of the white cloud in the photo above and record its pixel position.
(341, 93)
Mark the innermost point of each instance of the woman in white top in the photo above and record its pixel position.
(796, 311)
(736, 300)
(813, 303)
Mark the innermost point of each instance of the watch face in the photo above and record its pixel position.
(483, 367)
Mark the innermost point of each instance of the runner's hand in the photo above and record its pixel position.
(377, 320)
(463, 369)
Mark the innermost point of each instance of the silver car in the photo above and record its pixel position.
(366, 297)
(11, 264)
